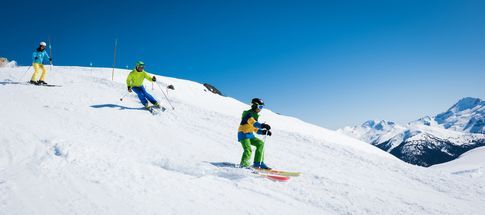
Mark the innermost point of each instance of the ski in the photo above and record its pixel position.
(41, 85)
(270, 176)
(155, 110)
(48, 85)
(279, 178)
(278, 172)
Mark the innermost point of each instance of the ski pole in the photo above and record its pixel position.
(173, 108)
(121, 99)
(24, 74)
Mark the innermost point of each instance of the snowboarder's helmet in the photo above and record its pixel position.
(43, 44)
(257, 103)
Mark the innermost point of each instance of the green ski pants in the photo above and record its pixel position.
(246, 156)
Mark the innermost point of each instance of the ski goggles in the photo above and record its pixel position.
(260, 107)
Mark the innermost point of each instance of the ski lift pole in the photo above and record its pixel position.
(50, 53)
(114, 61)
(166, 97)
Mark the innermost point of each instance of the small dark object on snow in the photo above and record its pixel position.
(212, 89)
(171, 87)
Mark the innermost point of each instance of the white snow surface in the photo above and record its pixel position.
(9, 64)
(470, 164)
(78, 149)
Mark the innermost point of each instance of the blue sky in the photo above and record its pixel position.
(332, 63)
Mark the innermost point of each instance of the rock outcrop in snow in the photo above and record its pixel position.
(5, 63)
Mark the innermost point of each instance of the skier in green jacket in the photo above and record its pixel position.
(248, 125)
(134, 81)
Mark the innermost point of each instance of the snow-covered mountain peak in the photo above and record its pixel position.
(428, 140)
(466, 115)
(378, 125)
(467, 103)
(427, 121)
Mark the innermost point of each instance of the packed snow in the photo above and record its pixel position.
(470, 164)
(78, 149)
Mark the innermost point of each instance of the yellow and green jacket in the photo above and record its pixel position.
(135, 78)
(248, 125)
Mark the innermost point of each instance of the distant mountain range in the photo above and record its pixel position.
(429, 140)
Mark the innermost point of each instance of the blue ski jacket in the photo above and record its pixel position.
(41, 56)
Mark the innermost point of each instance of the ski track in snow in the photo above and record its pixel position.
(78, 149)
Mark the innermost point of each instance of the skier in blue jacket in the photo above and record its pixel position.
(38, 58)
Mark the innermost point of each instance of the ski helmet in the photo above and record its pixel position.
(140, 64)
(43, 44)
(257, 103)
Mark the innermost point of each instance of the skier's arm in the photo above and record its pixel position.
(128, 80)
(254, 123)
(148, 77)
(34, 55)
(47, 56)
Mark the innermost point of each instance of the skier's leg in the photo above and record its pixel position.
(44, 72)
(141, 96)
(36, 70)
(149, 97)
(246, 156)
(259, 155)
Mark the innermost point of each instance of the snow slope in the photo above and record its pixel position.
(77, 149)
(470, 164)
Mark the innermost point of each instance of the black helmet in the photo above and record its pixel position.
(257, 103)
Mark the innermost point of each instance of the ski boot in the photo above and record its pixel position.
(33, 82)
(41, 82)
(260, 165)
(158, 106)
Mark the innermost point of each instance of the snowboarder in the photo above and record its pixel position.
(134, 81)
(38, 58)
(245, 136)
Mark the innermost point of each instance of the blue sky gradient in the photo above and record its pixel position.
(332, 63)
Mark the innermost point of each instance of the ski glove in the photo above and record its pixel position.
(154, 78)
(265, 126)
(129, 89)
(171, 87)
(50, 59)
(36, 58)
(266, 132)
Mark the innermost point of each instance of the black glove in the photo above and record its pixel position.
(266, 132)
(50, 59)
(171, 87)
(154, 78)
(129, 89)
(265, 126)
(36, 58)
